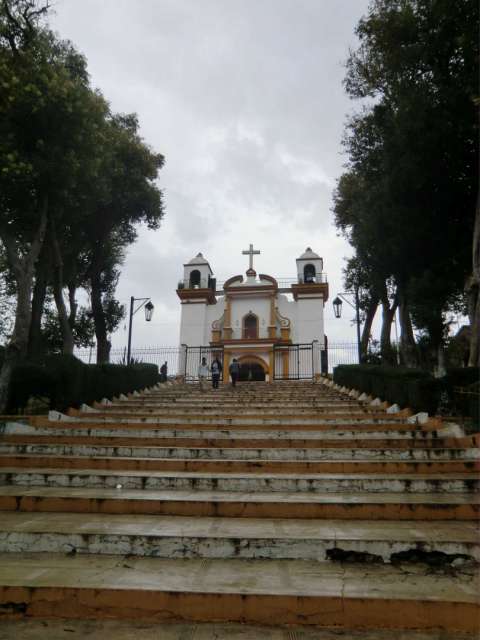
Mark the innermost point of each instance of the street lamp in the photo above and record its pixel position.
(337, 307)
(146, 303)
(337, 310)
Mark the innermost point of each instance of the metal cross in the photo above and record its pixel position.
(250, 252)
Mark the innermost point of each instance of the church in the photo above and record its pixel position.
(273, 328)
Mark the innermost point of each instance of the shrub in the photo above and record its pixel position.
(29, 380)
(68, 382)
(412, 388)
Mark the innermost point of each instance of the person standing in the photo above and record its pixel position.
(202, 374)
(163, 372)
(216, 370)
(234, 370)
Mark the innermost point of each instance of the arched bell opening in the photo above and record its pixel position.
(195, 278)
(309, 273)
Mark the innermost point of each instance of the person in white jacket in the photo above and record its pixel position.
(202, 373)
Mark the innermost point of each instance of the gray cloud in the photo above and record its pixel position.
(245, 100)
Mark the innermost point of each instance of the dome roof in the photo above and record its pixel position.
(309, 255)
(198, 259)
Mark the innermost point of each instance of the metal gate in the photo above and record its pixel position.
(191, 358)
(297, 361)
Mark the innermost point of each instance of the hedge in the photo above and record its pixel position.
(68, 382)
(412, 388)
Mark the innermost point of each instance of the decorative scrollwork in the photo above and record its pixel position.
(218, 324)
(284, 322)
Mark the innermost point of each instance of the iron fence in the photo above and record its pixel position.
(191, 358)
(342, 353)
(151, 355)
(297, 361)
(185, 360)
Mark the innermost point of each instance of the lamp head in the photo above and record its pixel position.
(149, 311)
(337, 307)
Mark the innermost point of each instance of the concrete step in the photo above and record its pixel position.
(241, 466)
(58, 629)
(151, 430)
(252, 591)
(349, 506)
(183, 537)
(232, 410)
(281, 442)
(243, 418)
(236, 482)
(236, 453)
(134, 422)
(229, 404)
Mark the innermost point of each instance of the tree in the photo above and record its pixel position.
(45, 115)
(74, 182)
(124, 195)
(412, 154)
(473, 292)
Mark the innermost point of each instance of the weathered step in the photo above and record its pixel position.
(225, 405)
(231, 412)
(357, 505)
(242, 466)
(235, 482)
(56, 629)
(235, 453)
(149, 430)
(253, 591)
(281, 442)
(134, 423)
(240, 418)
(183, 537)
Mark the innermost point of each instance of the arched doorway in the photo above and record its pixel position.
(252, 369)
(250, 326)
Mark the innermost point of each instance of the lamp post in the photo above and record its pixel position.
(337, 310)
(146, 303)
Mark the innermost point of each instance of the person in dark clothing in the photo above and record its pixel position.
(163, 372)
(216, 370)
(234, 370)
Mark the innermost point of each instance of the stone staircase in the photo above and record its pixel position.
(275, 504)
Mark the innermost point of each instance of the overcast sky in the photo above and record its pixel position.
(244, 98)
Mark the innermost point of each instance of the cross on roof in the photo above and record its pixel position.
(250, 252)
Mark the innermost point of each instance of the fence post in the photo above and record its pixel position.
(183, 365)
(313, 361)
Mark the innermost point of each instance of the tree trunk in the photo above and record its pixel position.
(408, 347)
(67, 335)
(35, 344)
(24, 270)
(388, 314)
(473, 290)
(72, 303)
(367, 327)
(440, 370)
(17, 347)
(103, 344)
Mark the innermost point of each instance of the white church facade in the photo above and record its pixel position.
(274, 329)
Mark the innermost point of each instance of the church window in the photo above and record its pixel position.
(309, 273)
(195, 279)
(250, 326)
